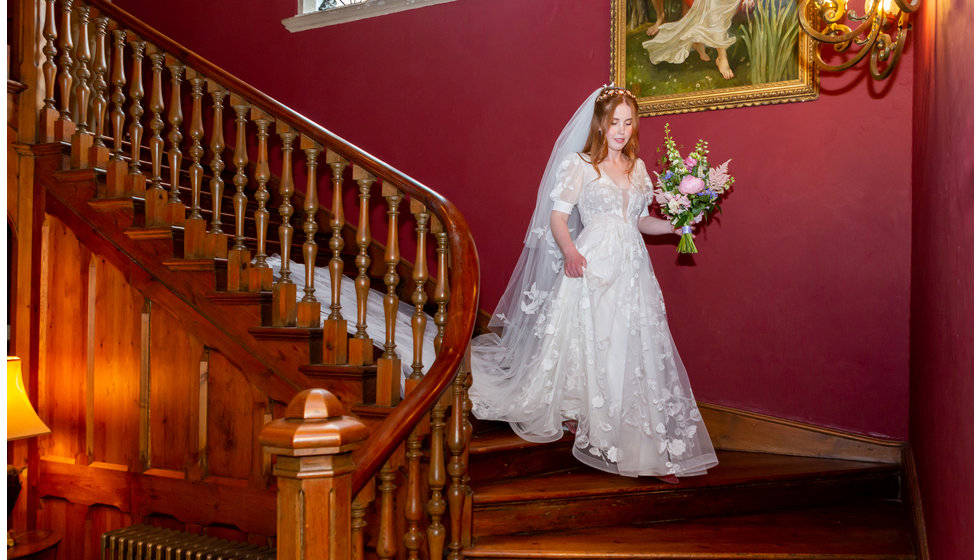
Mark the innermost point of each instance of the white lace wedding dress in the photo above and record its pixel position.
(707, 22)
(601, 353)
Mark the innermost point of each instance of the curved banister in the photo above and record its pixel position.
(464, 266)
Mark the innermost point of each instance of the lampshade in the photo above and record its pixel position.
(22, 421)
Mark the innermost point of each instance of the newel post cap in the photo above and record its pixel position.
(314, 424)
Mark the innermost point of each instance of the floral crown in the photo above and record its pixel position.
(611, 91)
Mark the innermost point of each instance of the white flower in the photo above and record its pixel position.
(676, 447)
(613, 454)
(535, 297)
(661, 429)
(598, 401)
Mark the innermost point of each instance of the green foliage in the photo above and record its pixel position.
(770, 38)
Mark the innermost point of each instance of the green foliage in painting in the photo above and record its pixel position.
(770, 37)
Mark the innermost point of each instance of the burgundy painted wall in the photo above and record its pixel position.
(941, 415)
(798, 303)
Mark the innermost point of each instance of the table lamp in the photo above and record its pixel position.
(22, 422)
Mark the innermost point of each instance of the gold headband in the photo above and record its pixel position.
(609, 92)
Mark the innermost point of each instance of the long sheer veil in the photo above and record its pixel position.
(540, 264)
(538, 270)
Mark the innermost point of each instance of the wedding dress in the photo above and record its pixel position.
(707, 22)
(375, 314)
(594, 349)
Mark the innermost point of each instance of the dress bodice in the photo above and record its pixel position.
(597, 197)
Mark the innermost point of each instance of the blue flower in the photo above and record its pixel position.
(668, 174)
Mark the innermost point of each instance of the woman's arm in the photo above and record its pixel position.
(653, 226)
(574, 261)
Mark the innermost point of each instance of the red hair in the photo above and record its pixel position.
(606, 103)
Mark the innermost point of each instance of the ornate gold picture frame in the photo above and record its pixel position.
(770, 59)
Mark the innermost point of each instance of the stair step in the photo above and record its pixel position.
(497, 453)
(742, 483)
(869, 529)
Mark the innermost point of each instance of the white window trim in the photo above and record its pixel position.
(309, 18)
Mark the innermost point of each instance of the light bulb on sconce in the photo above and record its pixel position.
(881, 31)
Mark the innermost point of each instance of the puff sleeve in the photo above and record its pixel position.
(646, 186)
(568, 187)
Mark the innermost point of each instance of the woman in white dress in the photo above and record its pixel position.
(582, 337)
(705, 23)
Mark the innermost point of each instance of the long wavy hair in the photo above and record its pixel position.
(606, 103)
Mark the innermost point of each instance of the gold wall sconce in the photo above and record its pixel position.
(881, 31)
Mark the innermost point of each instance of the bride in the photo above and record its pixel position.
(583, 338)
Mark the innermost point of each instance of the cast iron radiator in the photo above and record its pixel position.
(142, 542)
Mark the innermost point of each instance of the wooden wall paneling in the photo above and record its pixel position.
(53, 515)
(199, 420)
(69, 519)
(62, 371)
(116, 363)
(173, 382)
(102, 518)
(144, 425)
(233, 409)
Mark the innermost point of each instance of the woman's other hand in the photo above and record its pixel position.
(574, 264)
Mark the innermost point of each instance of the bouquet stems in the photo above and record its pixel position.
(686, 244)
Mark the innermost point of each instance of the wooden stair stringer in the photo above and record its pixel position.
(274, 367)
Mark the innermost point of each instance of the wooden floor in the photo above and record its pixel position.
(533, 501)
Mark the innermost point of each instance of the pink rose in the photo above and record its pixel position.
(690, 162)
(691, 185)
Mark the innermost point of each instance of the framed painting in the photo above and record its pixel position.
(679, 56)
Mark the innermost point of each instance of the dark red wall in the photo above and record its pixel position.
(942, 275)
(797, 304)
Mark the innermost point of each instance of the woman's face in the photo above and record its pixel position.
(621, 128)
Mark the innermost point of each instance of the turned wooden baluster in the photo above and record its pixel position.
(413, 492)
(64, 127)
(457, 443)
(49, 113)
(239, 256)
(195, 226)
(308, 309)
(117, 168)
(175, 208)
(82, 139)
(440, 294)
(419, 275)
(284, 291)
(335, 326)
(389, 370)
(156, 195)
(135, 180)
(387, 545)
(358, 523)
(217, 240)
(413, 446)
(360, 346)
(99, 153)
(436, 507)
(260, 273)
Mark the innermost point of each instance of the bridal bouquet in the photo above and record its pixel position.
(688, 189)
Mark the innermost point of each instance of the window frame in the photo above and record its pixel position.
(308, 17)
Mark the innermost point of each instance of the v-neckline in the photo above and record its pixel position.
(604, 173)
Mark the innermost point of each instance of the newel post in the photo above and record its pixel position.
(313, 444)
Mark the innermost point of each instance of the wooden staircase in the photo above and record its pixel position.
(420, 486)
(536, 501)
